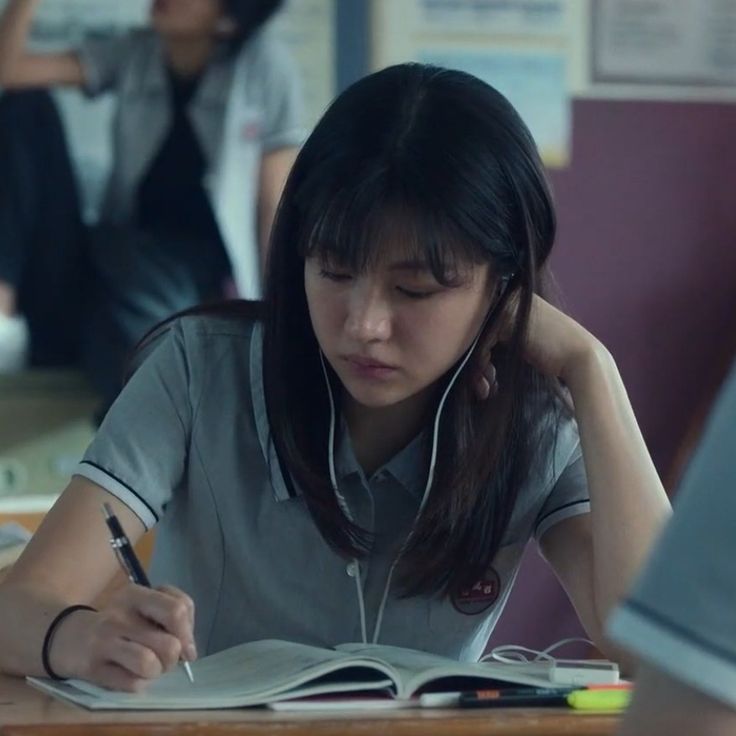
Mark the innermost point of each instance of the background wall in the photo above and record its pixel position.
(646, 259)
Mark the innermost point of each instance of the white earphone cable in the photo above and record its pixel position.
(341, 500)
(425, 496)
(427, 488)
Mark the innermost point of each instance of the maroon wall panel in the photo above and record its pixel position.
(646, 259)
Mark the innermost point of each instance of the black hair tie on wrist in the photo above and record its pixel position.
(50, 636)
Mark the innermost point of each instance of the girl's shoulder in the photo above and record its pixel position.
(207, 335)
(227, 325)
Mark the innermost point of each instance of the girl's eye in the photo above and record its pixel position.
(332, 276)
(411, 294)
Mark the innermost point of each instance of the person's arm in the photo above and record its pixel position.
(628, 503)
(662, 706)
(596, 556)
(18, 68)
(275, 168)
(140, 632)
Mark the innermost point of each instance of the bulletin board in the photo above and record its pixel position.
(308, 28)
(663, 49)
(524, 49)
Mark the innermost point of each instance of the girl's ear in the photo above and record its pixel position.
(226, 27)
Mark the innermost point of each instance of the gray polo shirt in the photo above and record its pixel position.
(681, 615)
(186, 445)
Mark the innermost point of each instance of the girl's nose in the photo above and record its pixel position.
(369, 314)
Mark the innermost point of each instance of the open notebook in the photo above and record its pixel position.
(268, 671)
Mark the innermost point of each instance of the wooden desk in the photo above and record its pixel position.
(144, 547)
(25, 711)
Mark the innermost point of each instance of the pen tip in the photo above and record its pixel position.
(107, 509)
(188, 670)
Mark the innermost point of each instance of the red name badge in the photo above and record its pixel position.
(480, 596)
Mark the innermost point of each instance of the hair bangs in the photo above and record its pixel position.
(372, 223)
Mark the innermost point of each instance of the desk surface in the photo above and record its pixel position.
(25, 711)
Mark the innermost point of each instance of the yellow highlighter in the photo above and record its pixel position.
(602, 700)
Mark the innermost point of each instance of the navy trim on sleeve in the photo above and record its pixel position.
(125, 485)
(558, 509)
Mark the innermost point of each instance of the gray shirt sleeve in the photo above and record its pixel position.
(681, 615)
(569, 495)
(103, 61)
(281, 86)
(139, 453)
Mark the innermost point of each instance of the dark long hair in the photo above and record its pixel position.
(445, 157)
(250, 15)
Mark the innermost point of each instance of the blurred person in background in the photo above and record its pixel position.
(204, 94)
(680, 618)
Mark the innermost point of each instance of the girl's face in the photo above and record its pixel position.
(391, 332)
(186, 18)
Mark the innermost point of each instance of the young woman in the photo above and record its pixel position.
(199, 88)
(320, 467)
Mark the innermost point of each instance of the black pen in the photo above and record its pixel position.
(128, 560)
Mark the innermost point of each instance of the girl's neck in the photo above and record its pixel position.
(187, 57)
(378, 434)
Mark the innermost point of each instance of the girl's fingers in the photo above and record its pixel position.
(482, 387)
(167, 648)
(137, 660)
(189, 647)
(485, 383)
(173, 613)
(179, 595)
(114, 677)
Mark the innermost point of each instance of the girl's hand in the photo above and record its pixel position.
(556, 345)
(140, 634)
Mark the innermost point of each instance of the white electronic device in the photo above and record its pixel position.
(571, 672)
(583, 672)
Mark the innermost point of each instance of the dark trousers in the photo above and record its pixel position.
(89, 295)
(42, 239)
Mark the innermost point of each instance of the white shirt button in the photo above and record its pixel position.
(351, 569)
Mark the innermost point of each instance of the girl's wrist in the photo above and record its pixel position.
(66, 649)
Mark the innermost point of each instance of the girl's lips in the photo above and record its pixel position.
(366, 368)
(367, 362)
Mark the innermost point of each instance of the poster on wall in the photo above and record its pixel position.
(501, 17)
(676, 49)
(521, 48)
(308, 29)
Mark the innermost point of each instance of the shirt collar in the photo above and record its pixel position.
(405, 467)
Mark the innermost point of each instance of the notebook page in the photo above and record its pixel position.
(247, 674)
